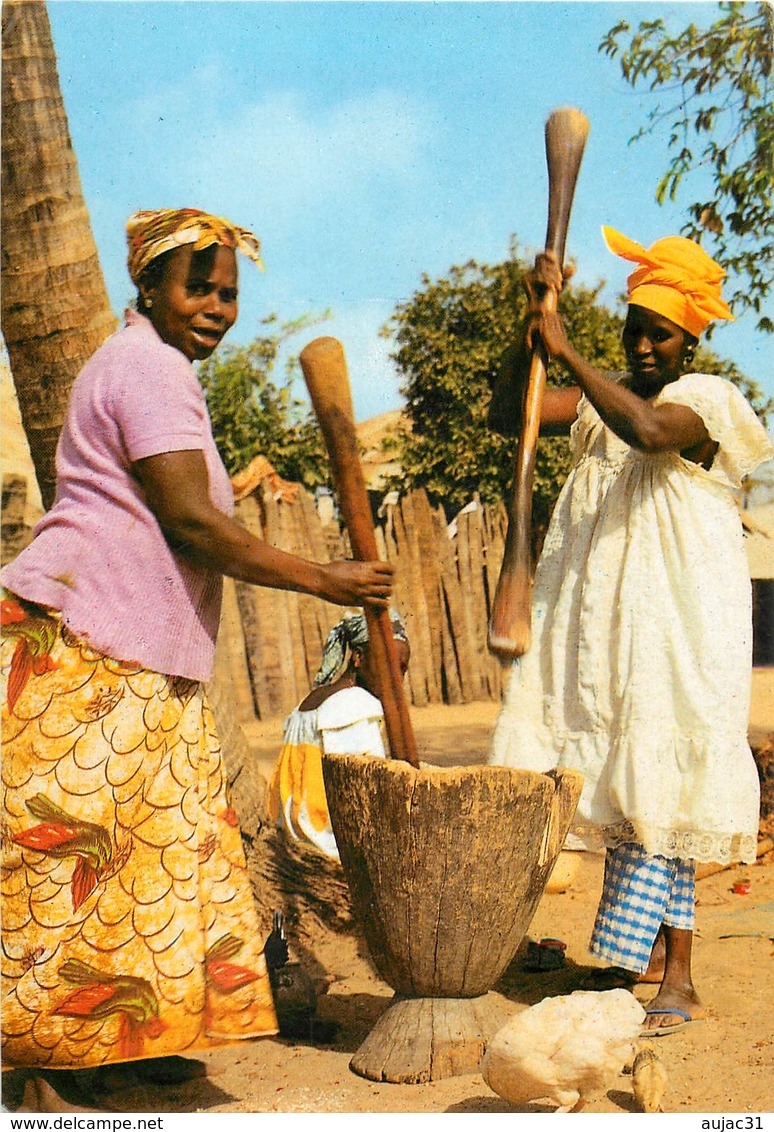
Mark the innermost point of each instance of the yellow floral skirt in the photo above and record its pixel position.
(128, 924)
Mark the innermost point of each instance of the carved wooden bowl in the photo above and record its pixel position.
(446, 867)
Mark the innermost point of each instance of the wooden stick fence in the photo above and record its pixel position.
(271, 642)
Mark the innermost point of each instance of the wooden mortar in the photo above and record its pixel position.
(446, 867)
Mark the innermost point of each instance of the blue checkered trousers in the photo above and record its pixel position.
(640, 892)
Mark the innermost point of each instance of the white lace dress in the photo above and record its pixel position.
(640, 667)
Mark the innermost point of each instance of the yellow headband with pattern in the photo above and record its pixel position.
(152, 232)
(676, 278)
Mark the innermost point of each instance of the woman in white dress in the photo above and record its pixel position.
(341, 715)
(639, 670)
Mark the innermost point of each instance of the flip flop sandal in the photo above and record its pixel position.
(660, 1031)
(532, 958)
(548, 955)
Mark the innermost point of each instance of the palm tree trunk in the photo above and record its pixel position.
(55, 307)
(55, 313)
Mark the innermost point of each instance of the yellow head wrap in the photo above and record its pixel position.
(676, 278)
(153, 232)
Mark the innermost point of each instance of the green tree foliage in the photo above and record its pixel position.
(450, 338)
(253, 415)
(714, 94)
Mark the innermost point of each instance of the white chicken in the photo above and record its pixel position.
(564, 1049)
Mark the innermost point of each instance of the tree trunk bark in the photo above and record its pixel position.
(55, 307)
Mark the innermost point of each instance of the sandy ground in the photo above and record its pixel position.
(723, 1064)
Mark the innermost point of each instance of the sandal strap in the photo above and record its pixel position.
(671, 1010)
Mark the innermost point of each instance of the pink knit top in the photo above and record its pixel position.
(99, 555)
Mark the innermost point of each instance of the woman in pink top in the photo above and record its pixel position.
(129, 931)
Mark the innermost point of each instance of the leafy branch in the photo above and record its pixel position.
(252, 414)
(714, 94)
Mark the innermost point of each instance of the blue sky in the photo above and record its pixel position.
(365, 144)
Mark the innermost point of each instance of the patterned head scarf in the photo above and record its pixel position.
(153, 232)
(676, 278)
(350, 633)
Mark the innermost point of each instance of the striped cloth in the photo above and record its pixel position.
(640, 892)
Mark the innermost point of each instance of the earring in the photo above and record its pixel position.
(688, 355)
(148, 304)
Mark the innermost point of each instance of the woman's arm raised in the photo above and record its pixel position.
(635, 419)
(557, 410)
(559, 404)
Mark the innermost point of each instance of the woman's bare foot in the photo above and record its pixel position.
(61, 1090)
(661, 1014)
(88, 1090)
(677, 1001)
(608, 978)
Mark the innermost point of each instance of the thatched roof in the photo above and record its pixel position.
(378, 462)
